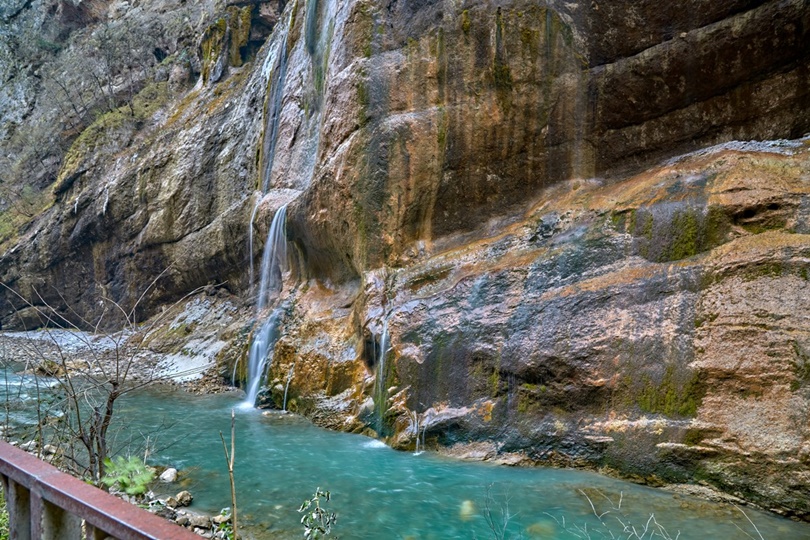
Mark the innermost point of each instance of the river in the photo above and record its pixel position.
(379, 493)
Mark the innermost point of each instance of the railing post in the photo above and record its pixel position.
(59, 524)
(92, 533)
(18, 505)
(36, 515)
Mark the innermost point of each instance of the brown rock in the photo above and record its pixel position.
(184, 498)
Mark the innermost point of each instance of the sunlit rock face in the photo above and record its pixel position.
(454, 116)
(656, 325)
(490, 179)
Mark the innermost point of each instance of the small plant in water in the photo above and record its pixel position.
(317, 522)
(614, 523)
(131, 474)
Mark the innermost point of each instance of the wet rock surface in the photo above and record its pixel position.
(654, 327)
(486, 177)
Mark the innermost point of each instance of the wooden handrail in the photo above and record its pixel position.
(45, 503)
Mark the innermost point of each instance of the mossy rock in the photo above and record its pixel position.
(213, 46)
(239, 22)
(674, 231)
(678, 394)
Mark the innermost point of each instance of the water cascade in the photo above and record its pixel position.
(273, 112)
(380, 391)
(287, 386)
(274, 262)
(258, 358)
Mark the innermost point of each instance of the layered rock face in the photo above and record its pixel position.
(135, 156)
(486, 181)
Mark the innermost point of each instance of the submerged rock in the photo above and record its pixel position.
(184, 498)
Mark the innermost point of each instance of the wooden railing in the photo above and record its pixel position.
(46, 504)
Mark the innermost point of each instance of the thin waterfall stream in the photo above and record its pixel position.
(380, 391)
(274, 261)
(287, 386)
(273, 113)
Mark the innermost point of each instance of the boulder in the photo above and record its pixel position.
(199, 520)
(184, 498)
(169, 475)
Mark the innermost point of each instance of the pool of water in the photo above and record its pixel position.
(381, 493)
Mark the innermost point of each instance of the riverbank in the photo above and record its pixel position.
(194, 344)
(378, 492)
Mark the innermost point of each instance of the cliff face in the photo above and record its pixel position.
(484, 180)
(135, 155)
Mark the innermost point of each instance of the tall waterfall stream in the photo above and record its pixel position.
(265, 336)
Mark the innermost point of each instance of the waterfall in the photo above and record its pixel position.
(310, 26)
(274, 262)
(380, 391)
(418, 426)
(260, 349)
(418, 451)
(274, 114)
(287, 387)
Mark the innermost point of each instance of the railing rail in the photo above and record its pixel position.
(46, 504)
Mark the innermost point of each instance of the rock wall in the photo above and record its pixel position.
(487, 181)
(150, 122)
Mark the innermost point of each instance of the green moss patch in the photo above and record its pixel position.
(673, 231)
(20, 213)
(239, 24)
(111, 128)
(674, 395)
(211, 45)
(465, 21)
(801, 368)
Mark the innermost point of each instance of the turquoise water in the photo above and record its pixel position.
(379, 493)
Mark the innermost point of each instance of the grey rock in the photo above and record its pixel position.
(169, 475)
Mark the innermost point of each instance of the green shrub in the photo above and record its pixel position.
(131, 474)
(4, 524)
